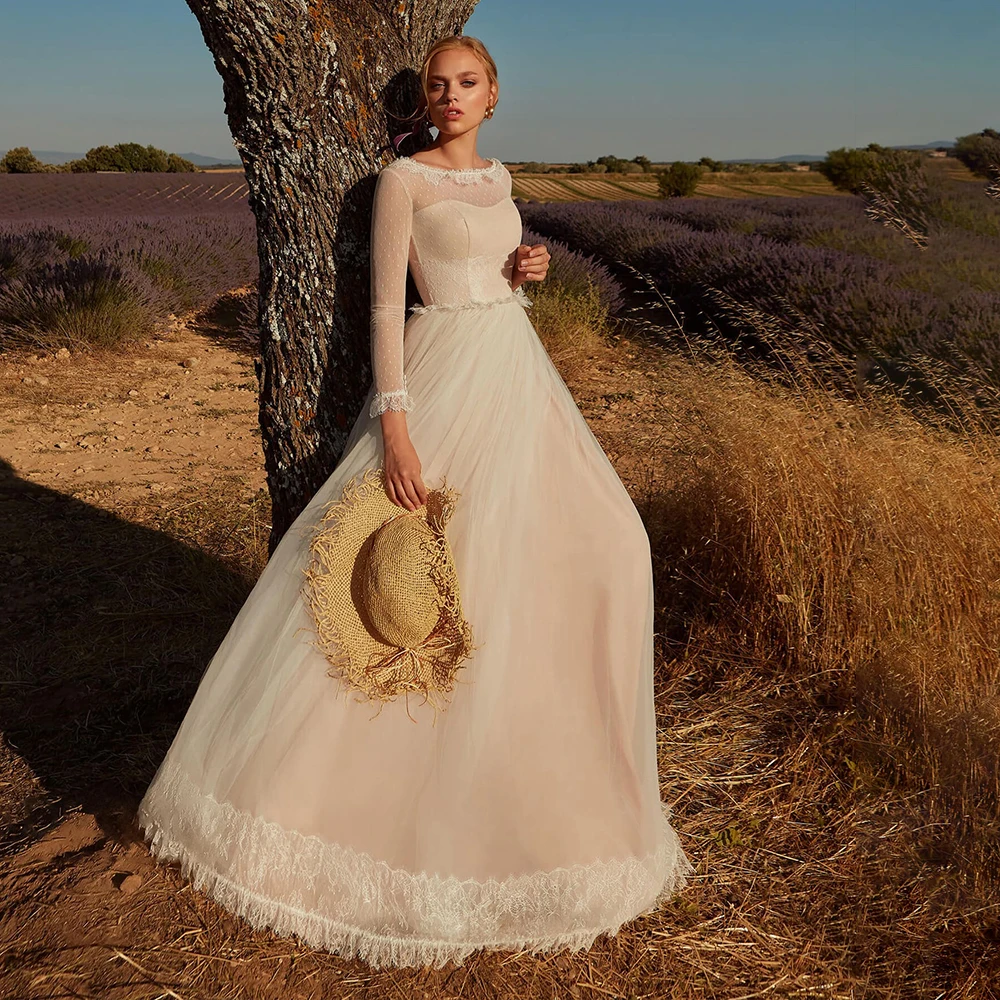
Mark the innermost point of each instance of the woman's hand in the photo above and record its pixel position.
(531, 263)
(403, 484)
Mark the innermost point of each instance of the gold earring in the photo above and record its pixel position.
(489, 111)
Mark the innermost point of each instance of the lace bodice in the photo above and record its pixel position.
(457, 231)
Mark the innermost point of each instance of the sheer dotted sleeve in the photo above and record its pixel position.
(391, 227)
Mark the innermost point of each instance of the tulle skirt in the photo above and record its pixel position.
(524, 815)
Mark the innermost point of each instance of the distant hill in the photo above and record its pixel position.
(211, 161)
(812, 157)
(198, 159)
(942, 144)
(49, 156)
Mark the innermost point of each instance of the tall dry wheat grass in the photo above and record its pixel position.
(852, 540)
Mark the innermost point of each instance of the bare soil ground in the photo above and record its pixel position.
(134, 522)
(182, 410)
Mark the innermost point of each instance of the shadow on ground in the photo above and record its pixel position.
(108, 626)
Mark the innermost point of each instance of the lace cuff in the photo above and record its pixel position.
(398, 399)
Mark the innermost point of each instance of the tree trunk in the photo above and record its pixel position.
(310, 91)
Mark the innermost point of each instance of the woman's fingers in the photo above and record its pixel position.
(408, 492)
(402, 495)
(535, 264)
(393, 491)
(411, 494)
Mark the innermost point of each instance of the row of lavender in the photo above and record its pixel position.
(106, 282)
(97, 261)
(864, 287)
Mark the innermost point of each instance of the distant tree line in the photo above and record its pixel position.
(891, 181)
(126, 157)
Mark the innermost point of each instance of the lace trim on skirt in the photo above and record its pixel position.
(453, 917)
(516, 296)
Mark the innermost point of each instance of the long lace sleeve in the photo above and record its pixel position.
(392, 223)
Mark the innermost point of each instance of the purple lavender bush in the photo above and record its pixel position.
(95, 300)
(863, 286)
(96, 261)
(573, 271)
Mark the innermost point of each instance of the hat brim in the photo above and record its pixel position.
(333, 590)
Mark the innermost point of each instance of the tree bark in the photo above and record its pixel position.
(311, 90)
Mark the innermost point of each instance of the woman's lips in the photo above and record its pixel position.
(454, 113)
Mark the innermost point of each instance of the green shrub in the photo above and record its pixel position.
(130, 157)
(875, 165)
(980, 152)
(21, 160)
(679, 180)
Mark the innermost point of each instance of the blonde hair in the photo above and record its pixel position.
(474, 45)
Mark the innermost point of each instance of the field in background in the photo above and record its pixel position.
(613, 187)
(41, 197)
(30, 196)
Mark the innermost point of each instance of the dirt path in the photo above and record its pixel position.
(182, 410)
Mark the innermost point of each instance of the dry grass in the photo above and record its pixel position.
(849, 539)
(826, 600)
(572, 326)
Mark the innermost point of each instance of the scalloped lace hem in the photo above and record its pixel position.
(516, 296)
(398, 399)
(512, 914)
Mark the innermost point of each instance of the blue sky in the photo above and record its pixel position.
(578, 78)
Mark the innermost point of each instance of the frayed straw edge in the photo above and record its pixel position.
(451, 629)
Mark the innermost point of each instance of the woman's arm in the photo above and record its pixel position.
(392, 220)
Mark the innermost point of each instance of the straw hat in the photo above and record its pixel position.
(383, 593)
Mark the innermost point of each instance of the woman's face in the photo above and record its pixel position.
(457, 82)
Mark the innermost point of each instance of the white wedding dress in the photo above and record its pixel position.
(529, 815)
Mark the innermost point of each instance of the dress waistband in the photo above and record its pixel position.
(516, 296)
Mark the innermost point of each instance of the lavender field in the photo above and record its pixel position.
(817, 267)
(95, 260)
(98, 258)
(121, 195)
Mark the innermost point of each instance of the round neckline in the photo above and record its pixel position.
(455, 170)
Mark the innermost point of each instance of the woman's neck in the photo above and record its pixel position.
(453, 153)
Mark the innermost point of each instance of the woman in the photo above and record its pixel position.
(529, 815)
